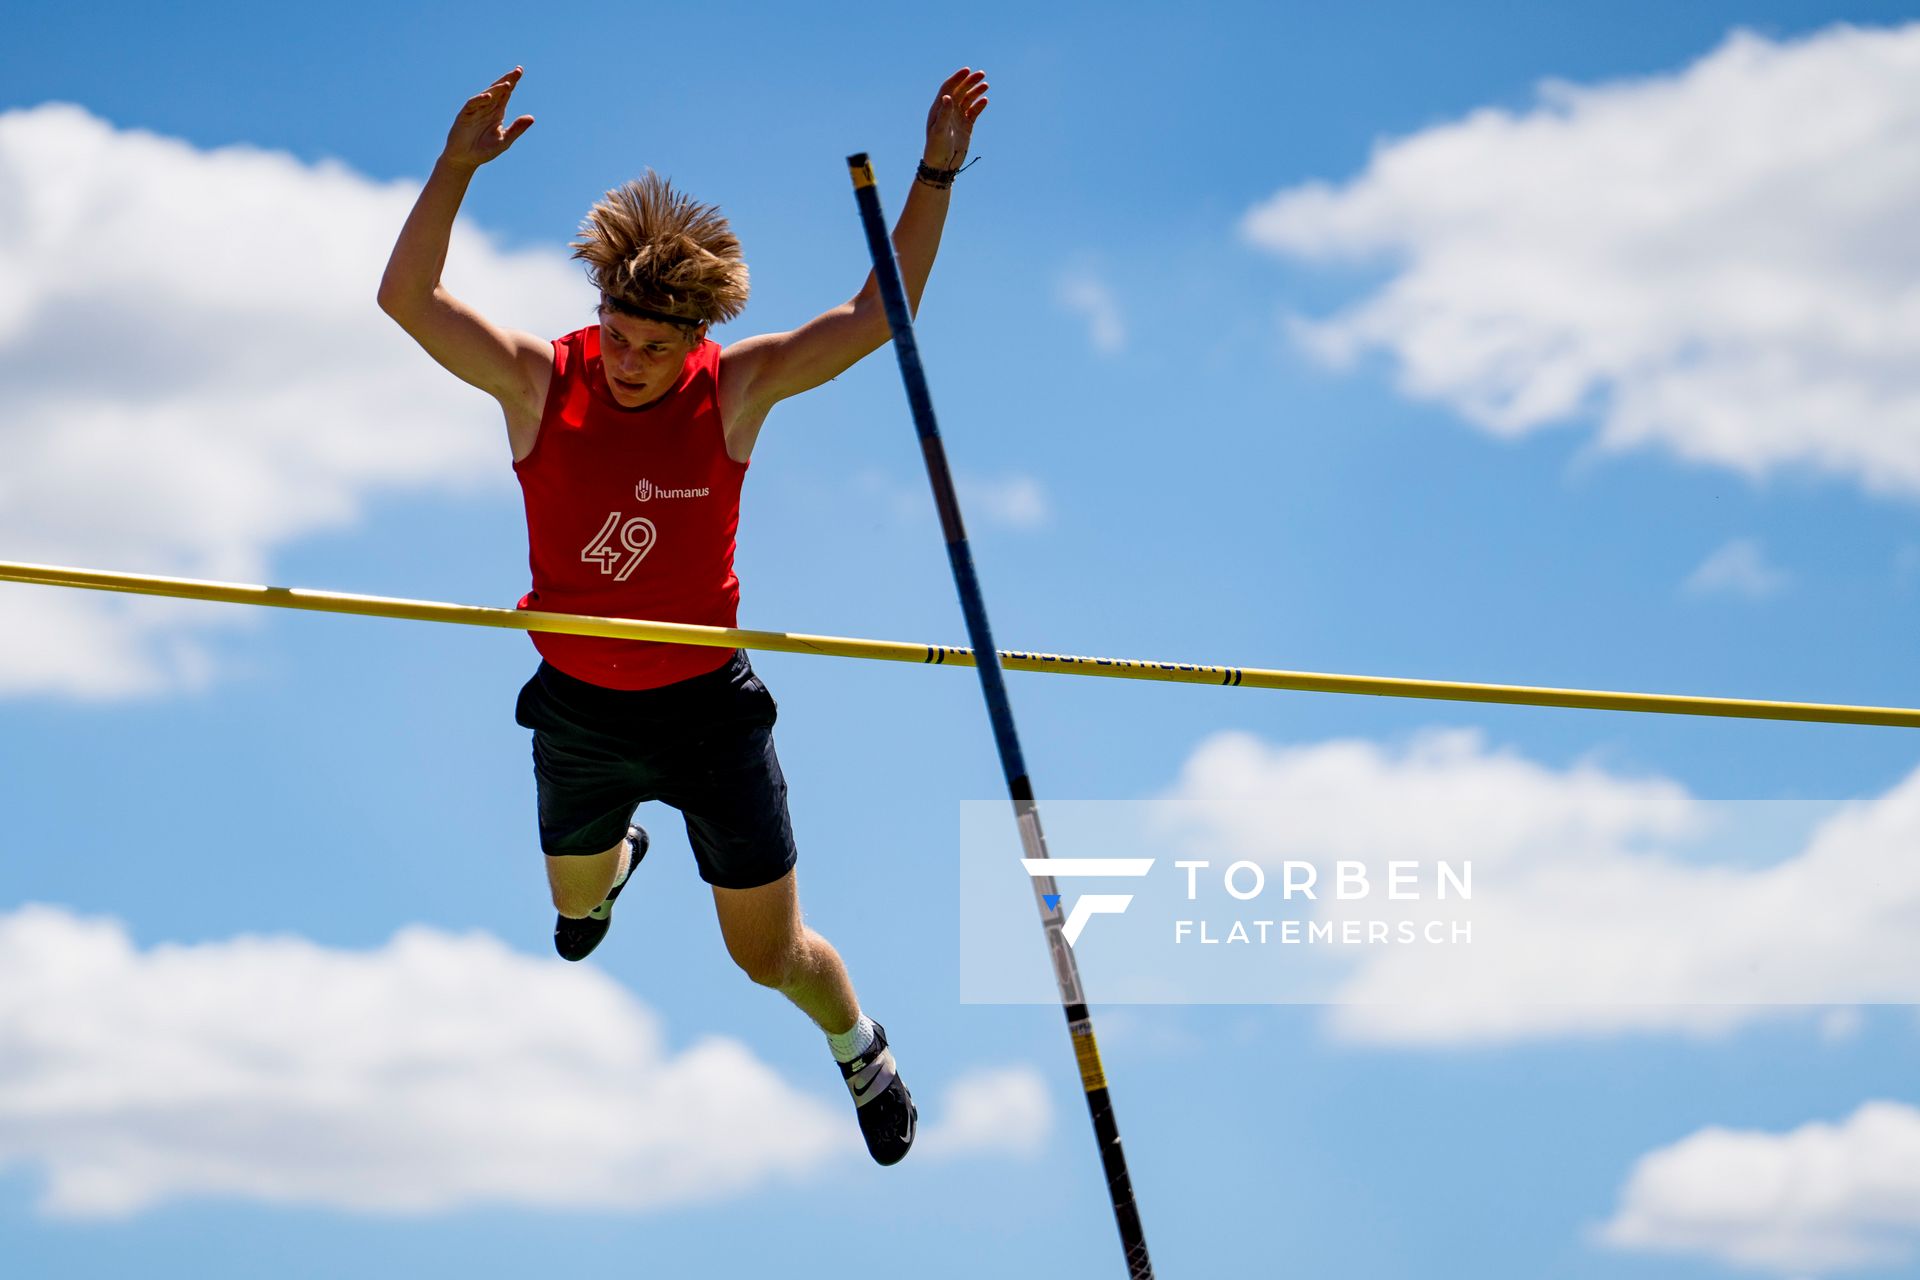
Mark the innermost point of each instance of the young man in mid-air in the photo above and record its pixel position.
(631, 438)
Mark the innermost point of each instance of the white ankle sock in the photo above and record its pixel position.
(850, 1044)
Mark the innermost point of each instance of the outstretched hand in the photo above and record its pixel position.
(477, 135)
(950, 121)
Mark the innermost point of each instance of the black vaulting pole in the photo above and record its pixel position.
(1026, 813)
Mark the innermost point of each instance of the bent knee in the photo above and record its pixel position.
(573, 903)
(768, 968)
(580, 883)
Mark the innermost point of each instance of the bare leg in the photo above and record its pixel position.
(767, 939)
(581, 882)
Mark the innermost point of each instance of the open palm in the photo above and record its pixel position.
(479, 132)
(950, 120)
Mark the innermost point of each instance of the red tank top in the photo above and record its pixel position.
(631, 513)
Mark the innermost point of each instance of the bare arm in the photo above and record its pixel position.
(759, 372)
(507, 364)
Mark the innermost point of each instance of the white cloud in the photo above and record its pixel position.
(435, 1072)
(1014, 501)
(1822, 1198)
(1838, 1026)
(1739, 568)
(998, 1110)
(1602, 903)
(196, 374)
(1088, 296)
(1717, 262)
(102, 647)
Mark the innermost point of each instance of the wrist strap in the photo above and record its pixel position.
(942, 178)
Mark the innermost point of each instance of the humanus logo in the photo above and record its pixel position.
(1088, 905)
(646, 492)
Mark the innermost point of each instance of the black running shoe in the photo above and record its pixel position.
(576, 939)
(880, 1096)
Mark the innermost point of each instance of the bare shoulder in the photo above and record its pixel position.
(740, 366)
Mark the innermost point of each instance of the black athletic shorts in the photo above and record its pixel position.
(703, 746)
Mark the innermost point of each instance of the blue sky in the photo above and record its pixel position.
(1615, 414)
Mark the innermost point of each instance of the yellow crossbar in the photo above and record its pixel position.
(900, 651)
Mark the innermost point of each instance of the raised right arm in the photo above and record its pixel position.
(511, 366)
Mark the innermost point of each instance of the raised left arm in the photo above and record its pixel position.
(757, 373)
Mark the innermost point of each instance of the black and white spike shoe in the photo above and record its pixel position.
(880, 1098)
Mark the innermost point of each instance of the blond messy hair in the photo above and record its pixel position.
(648, 248)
